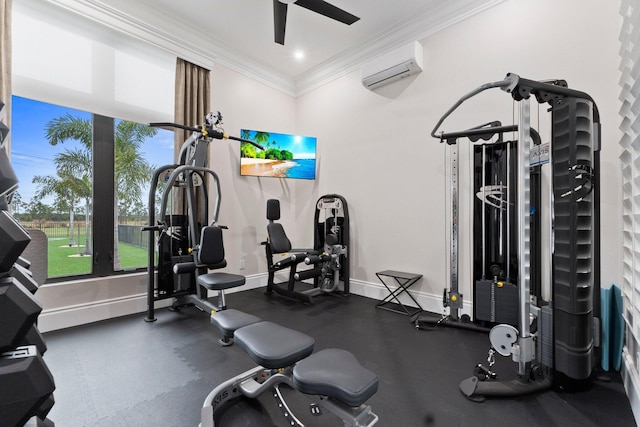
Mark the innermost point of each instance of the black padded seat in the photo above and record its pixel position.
(273, 346)
(227, 321)
(211, 255)
(219, 281)
(335, 373)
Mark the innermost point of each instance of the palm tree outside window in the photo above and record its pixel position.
(53, 154)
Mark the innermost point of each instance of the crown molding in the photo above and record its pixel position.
(116, 20)
(212, 51)
(422, 25)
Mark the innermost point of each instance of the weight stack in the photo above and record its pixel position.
(26, 384)
(497, 302)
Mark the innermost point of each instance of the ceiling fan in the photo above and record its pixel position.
(318, 6)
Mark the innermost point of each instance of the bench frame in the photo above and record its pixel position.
(259, 380)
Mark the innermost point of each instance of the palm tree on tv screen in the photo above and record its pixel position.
(248, 150)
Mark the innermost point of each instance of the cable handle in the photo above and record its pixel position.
(508, 84)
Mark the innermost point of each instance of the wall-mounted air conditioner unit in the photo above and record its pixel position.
(392, 66)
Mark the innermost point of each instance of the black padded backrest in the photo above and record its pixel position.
(273, 209)
(278, 239)
(211, 250)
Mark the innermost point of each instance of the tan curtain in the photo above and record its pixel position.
(5, 62)
(192, 102)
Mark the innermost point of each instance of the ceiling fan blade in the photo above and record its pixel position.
(328, 10)
(279, 21)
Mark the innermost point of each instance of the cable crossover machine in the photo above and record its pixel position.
(547, 320)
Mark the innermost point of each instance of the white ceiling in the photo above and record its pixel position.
(240, 33)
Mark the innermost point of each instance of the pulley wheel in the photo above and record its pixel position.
(502, 337)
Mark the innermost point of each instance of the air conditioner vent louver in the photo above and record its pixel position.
(395, 65)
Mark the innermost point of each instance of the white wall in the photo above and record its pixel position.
(247, 104)
(375, 147)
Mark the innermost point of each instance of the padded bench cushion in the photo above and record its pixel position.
(218, 281)
(273, 346)
(335, 373)
(227, 321)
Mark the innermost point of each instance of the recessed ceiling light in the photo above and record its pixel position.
(299, 55)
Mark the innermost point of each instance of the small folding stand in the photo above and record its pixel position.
(404, 281)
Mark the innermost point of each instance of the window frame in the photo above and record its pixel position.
(103, 196)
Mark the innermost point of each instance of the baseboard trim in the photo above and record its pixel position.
(81, 314)
(428, 302)
(66, 317)
(69, 316)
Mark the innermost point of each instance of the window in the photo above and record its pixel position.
(84, 181)
(109, 78)
(139, 151)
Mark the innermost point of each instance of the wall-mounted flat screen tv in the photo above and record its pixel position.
(284, 155)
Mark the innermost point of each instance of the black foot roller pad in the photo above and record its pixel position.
(228, 321)
(273, 346)
(335, 373)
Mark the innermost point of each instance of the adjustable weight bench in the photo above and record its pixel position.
(332, 378)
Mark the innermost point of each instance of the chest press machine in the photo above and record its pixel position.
(332, 378)
(186, 248)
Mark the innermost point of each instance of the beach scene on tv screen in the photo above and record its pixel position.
(284, 155)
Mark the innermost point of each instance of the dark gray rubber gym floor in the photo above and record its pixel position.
(125, 372)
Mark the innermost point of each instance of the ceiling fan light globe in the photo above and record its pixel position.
(287, 1)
